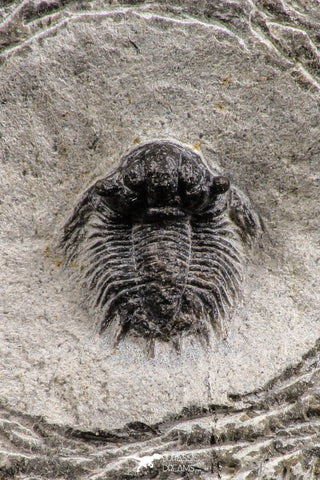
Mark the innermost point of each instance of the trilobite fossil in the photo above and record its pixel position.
(160, 243)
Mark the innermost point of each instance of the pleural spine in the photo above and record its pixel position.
(216, 267)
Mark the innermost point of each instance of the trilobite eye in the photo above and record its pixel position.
(99, 187)
(199, 198)
(203, 196)
(116, 195)
(134, 176)
(220, 185)
(215, 202)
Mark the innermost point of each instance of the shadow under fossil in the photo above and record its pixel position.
(160, 243)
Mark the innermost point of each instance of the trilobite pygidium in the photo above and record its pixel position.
(160, 242)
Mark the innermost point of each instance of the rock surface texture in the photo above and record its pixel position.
(82, 84)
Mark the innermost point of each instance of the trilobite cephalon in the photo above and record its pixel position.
(160, 243)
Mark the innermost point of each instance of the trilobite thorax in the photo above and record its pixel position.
(159, 250)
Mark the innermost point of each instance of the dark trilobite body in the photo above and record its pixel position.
(159, 243)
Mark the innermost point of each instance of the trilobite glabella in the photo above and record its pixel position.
(160, 243)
